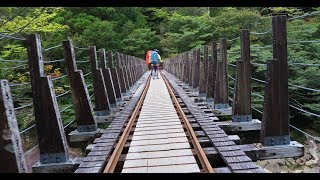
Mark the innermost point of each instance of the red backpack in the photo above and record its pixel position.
(148, 56)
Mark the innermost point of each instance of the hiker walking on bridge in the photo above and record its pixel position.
(155, 60)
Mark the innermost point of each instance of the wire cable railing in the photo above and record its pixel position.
(14, 67)
(304, 64)
(27, 129)
(7, 36)
(307, 41)
(305, 88)
(15, 61)
(302, 110)
(301, 131)
(302, 16)
(82, 61)
(81, 48)
(50, 48)
(63, 94)
(87, 74)
(261, 47)
(64, 109)
(261, 33)
(231, 77)
(53, 61)
(19, 84)
(60, 77)
(69, 123)
(24, 106)
(231, 64)
(258, 80)
(233, 39)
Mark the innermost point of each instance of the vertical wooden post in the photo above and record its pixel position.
(120, 70)
(115, 77)
(129, 73)
(190, 68)
(175, 65)
(133, 70)
(204, 73)
(11, 153)
(193, 66)
(102, 104)
(221, 100)
(206, 67)
(180, 67)
(185, 67)
(241, 111)
(136, 67)
(107, 79)
(175, 61)
(125, 70)
(51, 136)
(197, 68)
(86, 122)
(212, 71)
(275, 120)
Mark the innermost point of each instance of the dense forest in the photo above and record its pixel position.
(172, 30)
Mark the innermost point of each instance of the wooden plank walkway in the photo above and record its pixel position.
(159, 143)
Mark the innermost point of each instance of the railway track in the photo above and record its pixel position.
(158, 137)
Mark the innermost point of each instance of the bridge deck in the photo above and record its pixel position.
(159, 143)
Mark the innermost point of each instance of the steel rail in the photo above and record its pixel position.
(199, 151)
(114, 158)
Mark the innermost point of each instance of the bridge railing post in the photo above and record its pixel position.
(86, 123)
(125, 70)
(221, 99)
(139, 68)
(204, 73)
(174, 65)
(115, 76)
(11, 154)
(128, 63)
(190, 68)
(102, 103)
(172, 68)
(241, 111)
(197, 59)
(177, 66)
(275, 120)
(169, 66)
(133, 70)
(212, 71)
(47, 116)
(181, 67)
(120, 71)
(107, 80)
(185, 68)
(193, 69)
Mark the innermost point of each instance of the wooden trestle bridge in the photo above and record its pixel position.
(182, 122)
